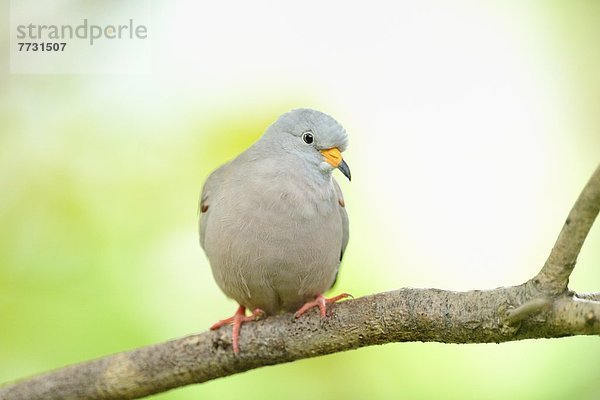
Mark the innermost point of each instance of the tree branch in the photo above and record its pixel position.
(554, 275)
(539, 308)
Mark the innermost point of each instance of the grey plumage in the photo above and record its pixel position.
(273, 222)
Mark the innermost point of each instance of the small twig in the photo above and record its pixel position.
(522, 312)
(589, 296)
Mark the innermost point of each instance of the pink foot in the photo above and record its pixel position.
(320, 302)
(237, 320)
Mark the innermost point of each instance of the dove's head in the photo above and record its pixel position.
(312, 135)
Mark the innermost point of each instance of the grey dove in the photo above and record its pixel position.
(273, 222)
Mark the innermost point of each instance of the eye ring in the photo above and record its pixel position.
(308, 137)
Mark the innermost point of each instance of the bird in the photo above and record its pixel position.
(273, 222)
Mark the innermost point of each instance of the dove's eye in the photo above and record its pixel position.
(308, 137)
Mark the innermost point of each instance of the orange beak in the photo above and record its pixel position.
(334, 157)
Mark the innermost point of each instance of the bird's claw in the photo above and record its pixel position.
(237, 320)
(321, 302)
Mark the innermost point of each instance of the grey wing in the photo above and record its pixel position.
(209, 193)
(345, 225)
(345, 232)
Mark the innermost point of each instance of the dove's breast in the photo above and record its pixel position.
(274, 241)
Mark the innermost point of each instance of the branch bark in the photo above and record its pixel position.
(542, 307)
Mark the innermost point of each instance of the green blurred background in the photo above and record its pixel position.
(473, 126)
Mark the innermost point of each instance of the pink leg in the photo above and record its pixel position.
(320, 302)
(237, 320)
